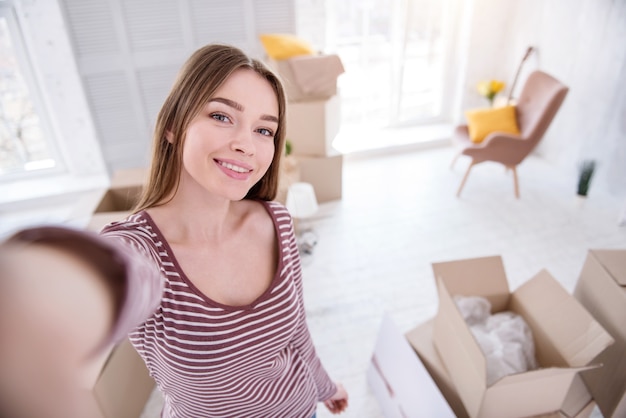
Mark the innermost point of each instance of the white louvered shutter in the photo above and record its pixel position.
(129, 51)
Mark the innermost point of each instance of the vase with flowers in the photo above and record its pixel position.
(489, 89)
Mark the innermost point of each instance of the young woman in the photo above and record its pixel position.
(229, 337)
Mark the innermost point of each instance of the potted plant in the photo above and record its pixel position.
(586, 169)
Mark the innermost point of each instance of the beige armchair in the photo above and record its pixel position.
(539, 101)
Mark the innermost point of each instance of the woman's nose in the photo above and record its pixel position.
(243, 141)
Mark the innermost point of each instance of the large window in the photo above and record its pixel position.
(395, 54)
(26, 142)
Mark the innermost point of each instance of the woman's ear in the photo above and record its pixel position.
(169, 136)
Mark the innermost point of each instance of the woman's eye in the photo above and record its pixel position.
(265, 132)
(220, 117)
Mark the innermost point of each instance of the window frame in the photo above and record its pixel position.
(20, 48)
(55, 87)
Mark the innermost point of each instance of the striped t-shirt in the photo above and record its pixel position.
(212, 360)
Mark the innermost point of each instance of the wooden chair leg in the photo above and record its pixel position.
(515, 183)
(456, 157)
(458, 193)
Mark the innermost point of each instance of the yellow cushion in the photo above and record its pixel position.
(482, 122)
(283, 46)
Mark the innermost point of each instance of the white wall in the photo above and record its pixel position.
(580, 42)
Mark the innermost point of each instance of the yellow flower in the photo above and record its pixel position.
(496, 86)
(490, 88)
(483, 88)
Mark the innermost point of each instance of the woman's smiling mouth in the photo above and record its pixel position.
(233, 167)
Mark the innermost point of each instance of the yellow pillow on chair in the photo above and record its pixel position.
(482, 122)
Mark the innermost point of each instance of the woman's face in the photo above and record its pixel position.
(229, 145)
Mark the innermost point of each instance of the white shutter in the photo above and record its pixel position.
(129, 51)
(152, 24)
(89, 26)
(274, 16)
(223, 21)
(154, 85)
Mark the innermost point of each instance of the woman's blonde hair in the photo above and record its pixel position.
(203, 73)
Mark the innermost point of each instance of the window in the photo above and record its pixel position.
(26, 143)
(395, 54)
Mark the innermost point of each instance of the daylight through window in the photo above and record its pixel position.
(24, 146)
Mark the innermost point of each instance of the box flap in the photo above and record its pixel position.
(476, 277)
(614, 261)
(546, 306)
(578, 397)
(421, 339)
(316, 72)
(118, 199)
(400, 381)
(459, 351)
(548, 389)
(128, 177)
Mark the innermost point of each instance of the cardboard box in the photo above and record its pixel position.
(578, 402)
(128, 177)
(117, 202)
(325, 174)
(312, 126)
(601, 289)
(309, 77)
(123, 386)
(567, 338)
(400, 381)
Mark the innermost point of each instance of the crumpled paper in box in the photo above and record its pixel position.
(504, 337)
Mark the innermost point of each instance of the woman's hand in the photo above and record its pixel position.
(339, 401)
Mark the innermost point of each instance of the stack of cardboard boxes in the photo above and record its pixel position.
(580, 342)
(313, 119)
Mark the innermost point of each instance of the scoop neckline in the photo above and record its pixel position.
(202, 295)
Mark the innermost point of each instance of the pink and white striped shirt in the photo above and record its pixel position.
(213, 360)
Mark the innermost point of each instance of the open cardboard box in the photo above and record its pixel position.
(567, 339)
(601, 289)
(117, 202)
(578, 403)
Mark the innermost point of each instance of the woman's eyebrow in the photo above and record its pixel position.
(239, 107)
(269, 118)
(228, 102)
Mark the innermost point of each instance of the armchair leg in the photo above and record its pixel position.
(458, 193)
(515, 183)
(456, 157)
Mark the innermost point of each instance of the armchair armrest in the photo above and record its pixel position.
(508, 149)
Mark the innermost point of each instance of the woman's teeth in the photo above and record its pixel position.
(234, 167)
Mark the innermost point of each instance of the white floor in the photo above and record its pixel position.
(398, 214)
